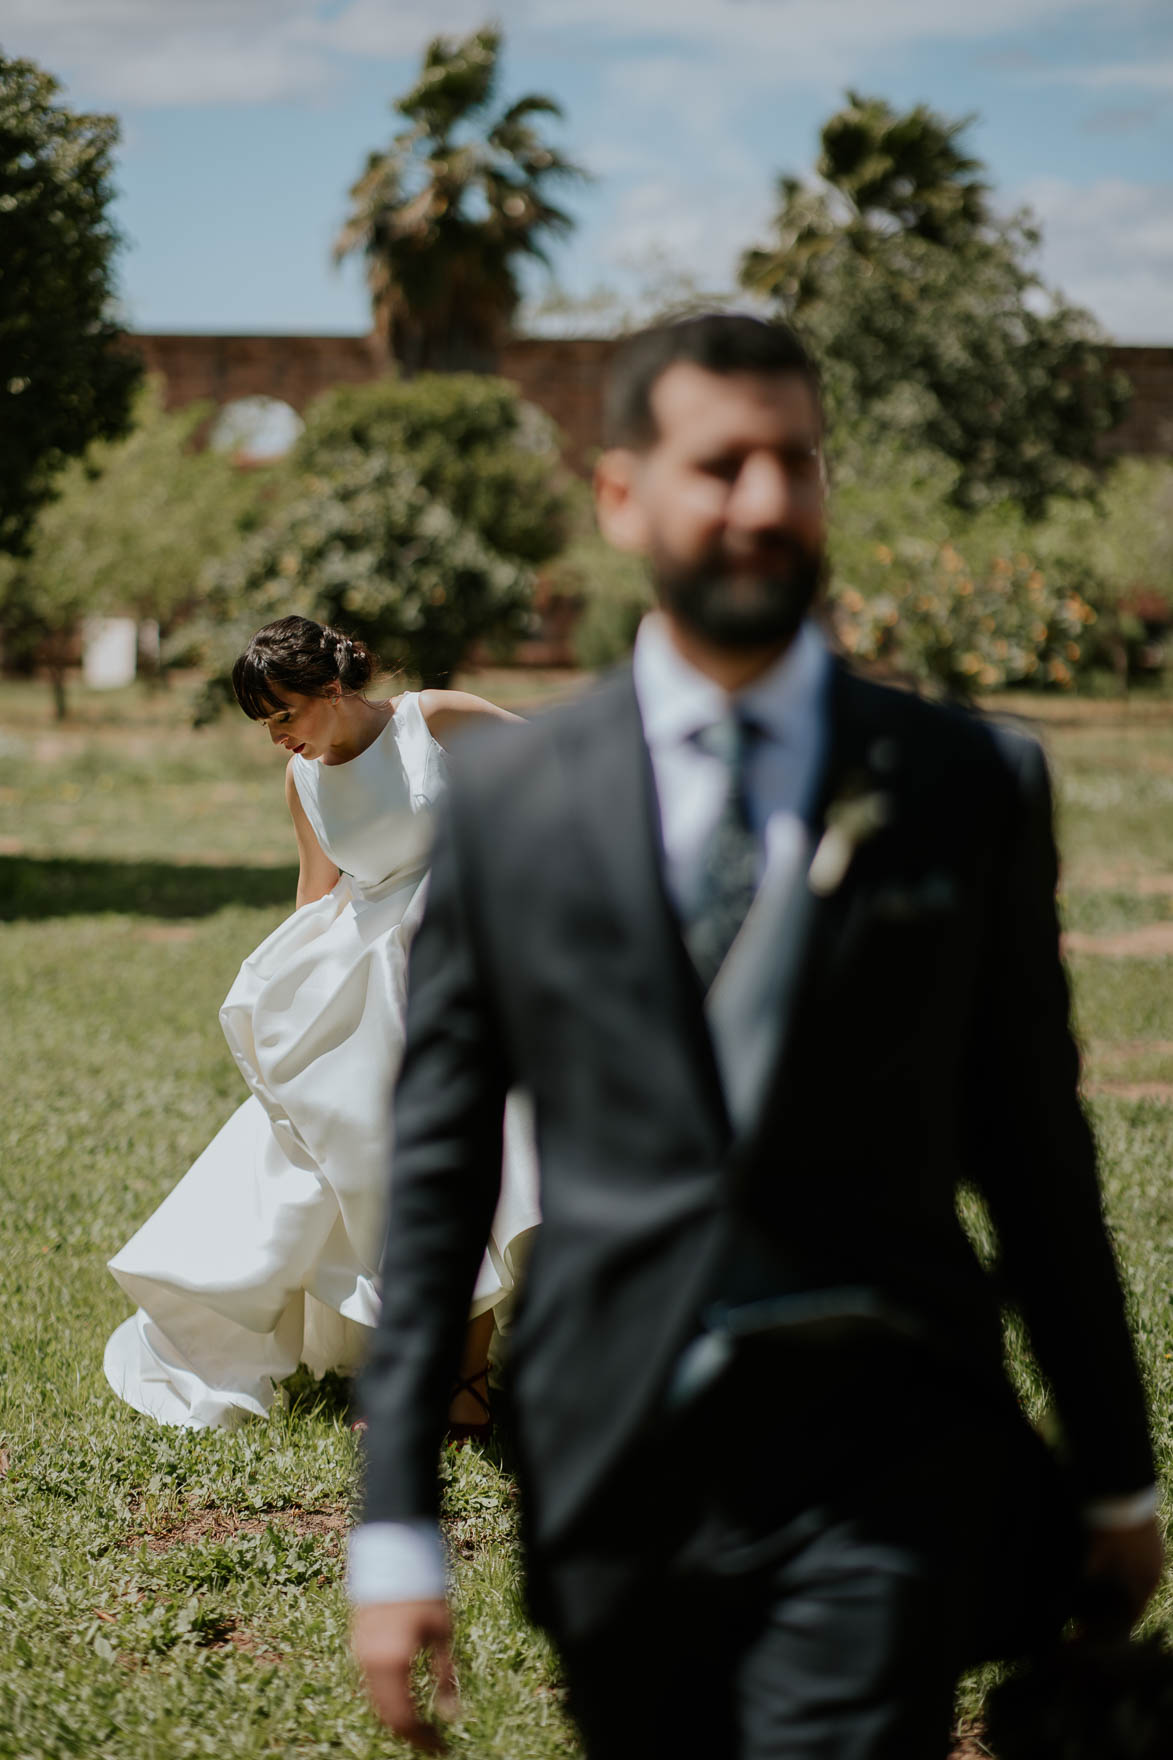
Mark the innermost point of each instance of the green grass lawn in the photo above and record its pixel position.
(171, 1594)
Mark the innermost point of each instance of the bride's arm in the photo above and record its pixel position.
(449, 714)
(316, 872)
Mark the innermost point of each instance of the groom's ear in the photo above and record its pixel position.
(618, 506)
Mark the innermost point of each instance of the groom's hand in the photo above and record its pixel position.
(387, 1636)
(1122, 1568)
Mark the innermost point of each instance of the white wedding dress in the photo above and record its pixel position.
(266, 1254)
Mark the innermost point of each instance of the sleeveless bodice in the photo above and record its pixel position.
(371, 815)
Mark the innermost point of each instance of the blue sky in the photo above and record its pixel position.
(245, 121)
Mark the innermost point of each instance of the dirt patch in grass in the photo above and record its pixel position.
(968, 1745)
(225, 1524)
(1126, 879)
(1153, 885)
(1127, 1049)
(1132, 1090)
(246, 1645)
(1151, 941)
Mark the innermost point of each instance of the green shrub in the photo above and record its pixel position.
(936, 620)
(129, 532)
(367, 548)
(471, 442)
(615, 590)
(417, 515)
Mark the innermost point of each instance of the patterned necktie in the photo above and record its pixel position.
(729, 871)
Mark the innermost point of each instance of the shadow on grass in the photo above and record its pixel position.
(33, 889)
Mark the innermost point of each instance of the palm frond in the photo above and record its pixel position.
(456, 199)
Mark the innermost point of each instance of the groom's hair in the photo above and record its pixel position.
(720, 342)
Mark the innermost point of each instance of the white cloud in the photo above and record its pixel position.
(657, 95)
(388, 28)
(1121, 119)
(154, 52)
(664, 235)
(791, 42)
(1149, 76)
(175, 53)
(1109, 246)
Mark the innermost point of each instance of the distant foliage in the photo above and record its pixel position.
(370, 549)
(1118, 550)
(447, 213)
(928, 615)
(615, 590)
(892, 508)
(129, 533)
(65, 377)
(926, 310)
(417, 515)
(492, 459)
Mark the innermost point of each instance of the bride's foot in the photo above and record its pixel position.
(470, 1416)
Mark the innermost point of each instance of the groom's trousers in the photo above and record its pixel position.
(847, 1533)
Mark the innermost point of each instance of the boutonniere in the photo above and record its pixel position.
(852, 818)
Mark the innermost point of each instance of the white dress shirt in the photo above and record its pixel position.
(405, 1561)
(786, 706)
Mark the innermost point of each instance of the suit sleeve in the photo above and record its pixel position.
(445, 1178)
(1034, 1159)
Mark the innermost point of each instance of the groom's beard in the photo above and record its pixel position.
(742, 602)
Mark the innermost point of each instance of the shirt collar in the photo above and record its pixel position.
(676, 701)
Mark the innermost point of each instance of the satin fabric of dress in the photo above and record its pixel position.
(266, 1253)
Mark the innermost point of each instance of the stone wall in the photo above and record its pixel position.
(223, 368)
(563, 376)
(1148, 425)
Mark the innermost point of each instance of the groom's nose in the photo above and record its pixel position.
(763, 494)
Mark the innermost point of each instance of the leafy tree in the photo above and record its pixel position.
(369, 548)
(926, 310)
(420, 512)
(65, 380)
(129, 532)
(443, 216)
(492, 459)
(1118, 553)
(943, 624)
(880, 174)
(897, 533)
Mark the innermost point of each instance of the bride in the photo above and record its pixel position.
(266, 1253)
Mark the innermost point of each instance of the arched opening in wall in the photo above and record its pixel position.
(255, 430)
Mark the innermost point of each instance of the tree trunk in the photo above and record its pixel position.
(56, 657)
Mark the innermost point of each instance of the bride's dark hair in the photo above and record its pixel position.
(296, 654)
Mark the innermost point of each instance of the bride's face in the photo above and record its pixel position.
(304, 724)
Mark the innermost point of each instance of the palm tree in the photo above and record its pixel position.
(882, 174)
(445, 213)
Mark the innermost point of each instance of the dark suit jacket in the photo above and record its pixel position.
(929, 1045)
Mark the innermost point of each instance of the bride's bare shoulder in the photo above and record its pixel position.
(448, 712)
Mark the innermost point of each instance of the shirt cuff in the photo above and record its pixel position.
(1123, 1512)
(396, 1561)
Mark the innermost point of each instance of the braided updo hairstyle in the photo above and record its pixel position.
(296, 654)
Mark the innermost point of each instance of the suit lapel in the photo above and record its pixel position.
(790, 948)
(608, 777)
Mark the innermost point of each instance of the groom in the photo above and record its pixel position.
(774, 949)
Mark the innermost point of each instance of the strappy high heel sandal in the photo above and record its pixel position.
(481, 1430)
